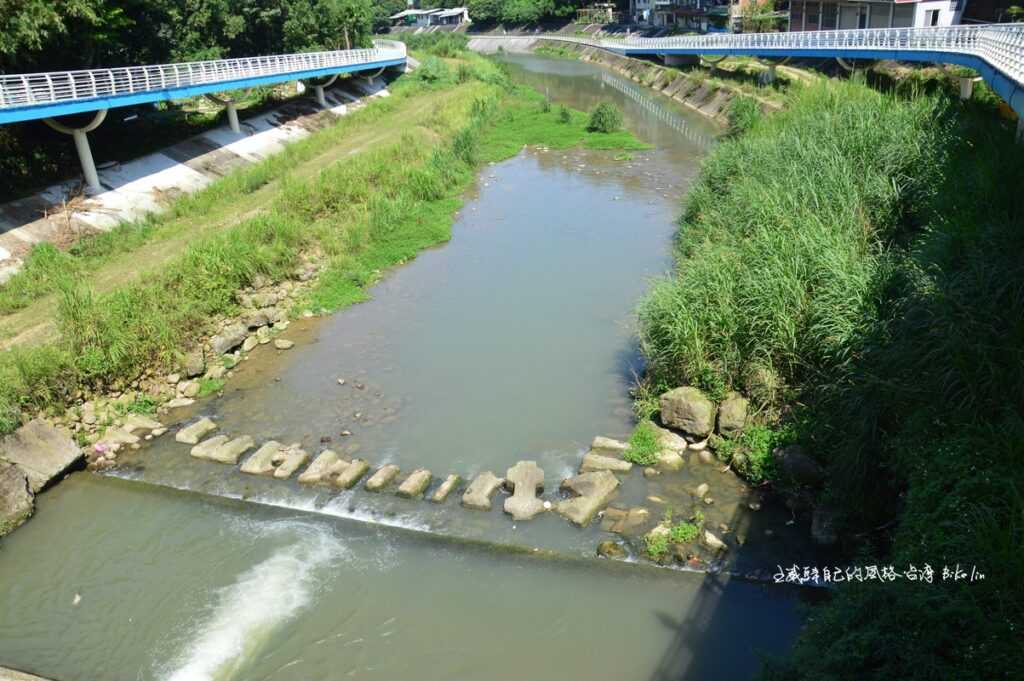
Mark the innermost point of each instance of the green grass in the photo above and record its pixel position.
(643, 445)
(852, 264)
(684, 533)
(657, 546)
(209, 386)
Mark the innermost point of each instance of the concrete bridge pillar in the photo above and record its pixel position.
(1020, 129)
(318, 90)
(80, 135)
(966, 88)
(232, 108)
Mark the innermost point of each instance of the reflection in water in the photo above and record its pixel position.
(649, 102)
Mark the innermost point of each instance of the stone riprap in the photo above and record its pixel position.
(41, 451)
(526, 481)
(446, 488)
(138, 423)
(594, 491)
(275, 459)
(606, 446)
(598, 462)
(415, 485)
(222, 450)
(194, 432)
(625, 521)
(479, 493)
(384, 476)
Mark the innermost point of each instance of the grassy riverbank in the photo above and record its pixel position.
(364, 194)
(852, 263)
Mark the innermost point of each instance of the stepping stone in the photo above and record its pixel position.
(274, 459)
(134, 422)
(179, 402)
(414, 486)
(608, 447)
(595, 490)
(324, 468)
(597, 462)
(526, 480)
(222, 450)
(382, 478)
(449, 484)
(352, 474)
(195, 432)
(478, 495)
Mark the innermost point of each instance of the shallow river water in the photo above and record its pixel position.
(513, 341)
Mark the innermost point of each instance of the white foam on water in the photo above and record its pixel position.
(261, 599)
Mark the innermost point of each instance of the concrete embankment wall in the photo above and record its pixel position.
(690, 90)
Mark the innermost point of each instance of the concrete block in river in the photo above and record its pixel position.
(526, 480)
(449, 484)
(41, 451)
(608, 447)
(194, 432)
(352, 474)
(275, 459)
(16, 499)
(478, 495)
(134, 422)
(222, 450)
(414, 485)
(382, 478)
(594, 490)
(598, 462)
(324, 469)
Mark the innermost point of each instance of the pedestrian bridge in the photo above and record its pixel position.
(995, 51)
(33, 96)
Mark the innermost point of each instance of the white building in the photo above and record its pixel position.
(827, 15)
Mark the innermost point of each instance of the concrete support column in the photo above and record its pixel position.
(966, 88)
(320, 98)
(231, 106)
(318, 90)
(1020, 129)
(681, 59)
(80, 135)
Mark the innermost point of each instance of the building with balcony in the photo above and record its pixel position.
(827, 15)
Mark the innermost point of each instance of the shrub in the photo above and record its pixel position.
(684, 533)
(433, 71)
(656, 546)
(605, 118)
(564, 116)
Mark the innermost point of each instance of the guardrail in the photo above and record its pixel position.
(74, 86)
(1000, 47)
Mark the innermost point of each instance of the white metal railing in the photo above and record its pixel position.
(1001, 45)
(69, 86)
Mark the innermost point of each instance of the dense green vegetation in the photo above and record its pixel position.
(376, 209)
(40, 35)
(852, 263)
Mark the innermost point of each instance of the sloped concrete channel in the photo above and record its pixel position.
(469, 388)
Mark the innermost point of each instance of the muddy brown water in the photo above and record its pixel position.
(514, 341)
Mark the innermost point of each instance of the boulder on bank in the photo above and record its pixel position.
(670, 461)
(41, 451)
(798, 466)
(193, 364)
(667, 440)
(689, 410)
(732, 415)
(594, 491)
(16, 499)
(227, 340)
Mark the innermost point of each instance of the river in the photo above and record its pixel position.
(512, 341)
